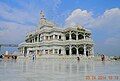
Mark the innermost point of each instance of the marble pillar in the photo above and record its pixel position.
(70, 50)
(84, 49)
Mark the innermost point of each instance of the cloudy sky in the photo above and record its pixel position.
(102, 17)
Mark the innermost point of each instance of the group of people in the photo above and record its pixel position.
(8, 56)
(14, 57)
(102, 57)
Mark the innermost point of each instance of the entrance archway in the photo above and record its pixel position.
(81, 50)
(74, 51)
(67, 50)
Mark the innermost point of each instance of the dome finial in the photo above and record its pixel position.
(42, 15)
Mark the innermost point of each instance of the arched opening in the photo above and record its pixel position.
(59, 51)
(39, 37)
(46, 51)
(74, 51)
(87, 53)
(67, 36)
(59, 36)
(36, 39)
(67, 51)
(73, 35)
(80, 36)
(30, 41)
(81, 51)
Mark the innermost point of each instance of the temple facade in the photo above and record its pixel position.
(48, 39)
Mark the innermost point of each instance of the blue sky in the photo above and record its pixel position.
(102, 17)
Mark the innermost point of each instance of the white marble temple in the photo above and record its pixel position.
(48, 39)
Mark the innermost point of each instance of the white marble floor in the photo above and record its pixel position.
(58, 70)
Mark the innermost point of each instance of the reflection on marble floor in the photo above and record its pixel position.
(53, 70)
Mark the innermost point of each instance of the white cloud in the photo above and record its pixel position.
(78, 16)
(110, 18)
(109, 21)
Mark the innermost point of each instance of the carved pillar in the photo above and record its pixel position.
(44, 52)
(57, 37)
(70, 35)
(53, 51)
(38, 38)
(70, 50)
(63, 51)
(58, 51)
(53, 37)
(27, 52)
(84, 49)
(44, 38)
(34, 38)
(92, 51)
(23, 51)
(64, 38)
(48, 37)
(76, 35)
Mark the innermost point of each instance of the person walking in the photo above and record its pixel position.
(34, 56)
(103, 57)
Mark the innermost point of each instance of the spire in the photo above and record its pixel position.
(42, 19)
(42, 14)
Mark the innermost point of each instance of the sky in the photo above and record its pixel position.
(102, 17)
